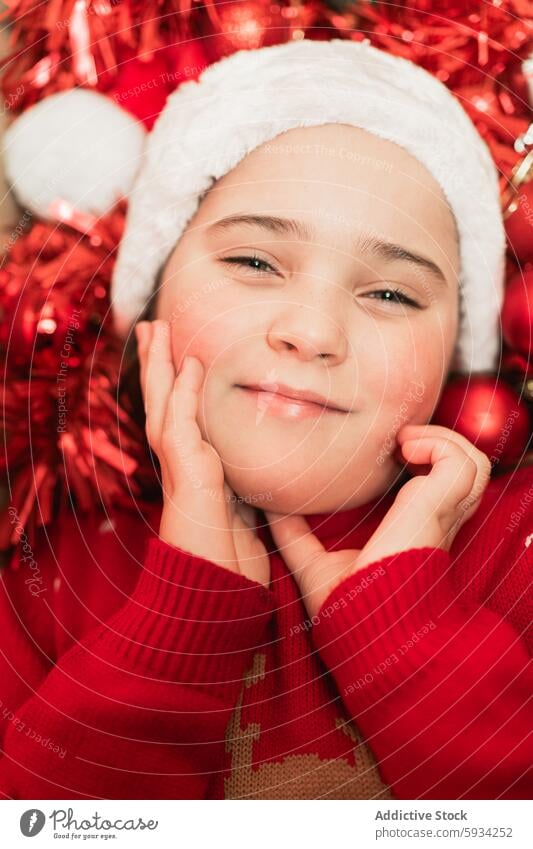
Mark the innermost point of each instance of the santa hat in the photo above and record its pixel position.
(209, 125)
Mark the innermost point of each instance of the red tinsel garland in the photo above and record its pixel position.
(66, 429)
(475, 48)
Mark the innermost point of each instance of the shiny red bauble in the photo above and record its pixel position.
(488, 412)
(519, 224)
(517, 313)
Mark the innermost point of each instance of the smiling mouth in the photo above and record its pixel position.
(276, 402)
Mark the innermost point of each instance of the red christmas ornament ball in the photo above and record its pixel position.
(488, 413)
(514, 363)
(517, 313)
(519, 224)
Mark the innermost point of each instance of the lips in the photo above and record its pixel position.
(302, 396)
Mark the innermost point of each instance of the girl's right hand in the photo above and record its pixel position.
(199, 513)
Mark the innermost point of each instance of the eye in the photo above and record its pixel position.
(254, 263)
(395, 296)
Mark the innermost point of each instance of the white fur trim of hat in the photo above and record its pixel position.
(209, 125)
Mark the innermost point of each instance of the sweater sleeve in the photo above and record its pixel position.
(139, 707)
(441, 688)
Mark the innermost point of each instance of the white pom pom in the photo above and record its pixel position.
(76, 145)
(527, 70)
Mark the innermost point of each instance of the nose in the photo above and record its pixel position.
(309, 330)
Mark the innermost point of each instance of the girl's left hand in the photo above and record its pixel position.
(427, 512)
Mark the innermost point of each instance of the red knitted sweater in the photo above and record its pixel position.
(132, 669)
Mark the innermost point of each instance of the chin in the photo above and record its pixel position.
(266, 495)
(300, 479)
(258, 493)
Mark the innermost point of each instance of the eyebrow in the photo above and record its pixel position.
(366, 242)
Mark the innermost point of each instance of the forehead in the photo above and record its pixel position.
(344, 178)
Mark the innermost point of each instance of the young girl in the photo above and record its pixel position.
(328, 600)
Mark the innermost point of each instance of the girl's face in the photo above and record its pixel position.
(284, 279)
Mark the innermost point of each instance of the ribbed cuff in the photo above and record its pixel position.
(383, 623)
(189, 620)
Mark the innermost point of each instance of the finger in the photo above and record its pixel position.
(239, 522)
(299, 547)
(426, 507)
(416, 431)
(181, 418)
(247, 513)
(251, 553)
(244, 539)
(453, 471)
(230, 500)
(483, 464)
(409, 432)
(412, 468)
(143, 333)
(159, 379)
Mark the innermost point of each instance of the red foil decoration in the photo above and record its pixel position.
(141, 85)
(65, 428)
(475, 49)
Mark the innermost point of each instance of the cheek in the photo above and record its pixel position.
(202, 334)
(384, 349)
(194, 303)
(188, 339)
(413, 387)
(404, 386)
